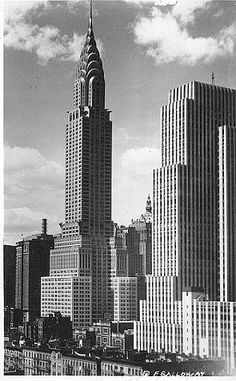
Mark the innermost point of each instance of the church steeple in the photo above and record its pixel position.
(149, 205)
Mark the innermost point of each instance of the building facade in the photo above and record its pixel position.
(193, 227)
(125, 298)
(83, 250)
(71, 296)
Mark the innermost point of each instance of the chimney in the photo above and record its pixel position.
(44, 226)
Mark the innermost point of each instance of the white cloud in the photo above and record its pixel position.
(47, 42)
(187, 6)
(166, 37)
(139, 2)
(164, 3)
(24, 165)
(34, 189)
(185, 9)
(17, 10)
(156, 2)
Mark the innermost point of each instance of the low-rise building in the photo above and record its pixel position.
(114, 334)
(105, 362)
(110, 367)
(73, 365)
(37, 361)
(103, 330)
(53, 326)
(122, 341)
(85, 337)
(13, 358)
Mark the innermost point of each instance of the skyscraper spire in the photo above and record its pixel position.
(90, 26)
(89, 85)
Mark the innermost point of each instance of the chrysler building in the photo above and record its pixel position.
(79, 281)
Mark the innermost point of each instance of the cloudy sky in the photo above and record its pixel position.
(147, 47)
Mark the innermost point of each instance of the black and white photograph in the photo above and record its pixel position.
(119, 135)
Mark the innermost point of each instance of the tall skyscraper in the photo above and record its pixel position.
(9, 265)
(194, 230)
(82, 251)
(186, 241)
(88, 148)
(9, 257)
(32, 262)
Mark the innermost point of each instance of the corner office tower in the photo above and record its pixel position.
(191, 197)
(191, 294)
(79, 281)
